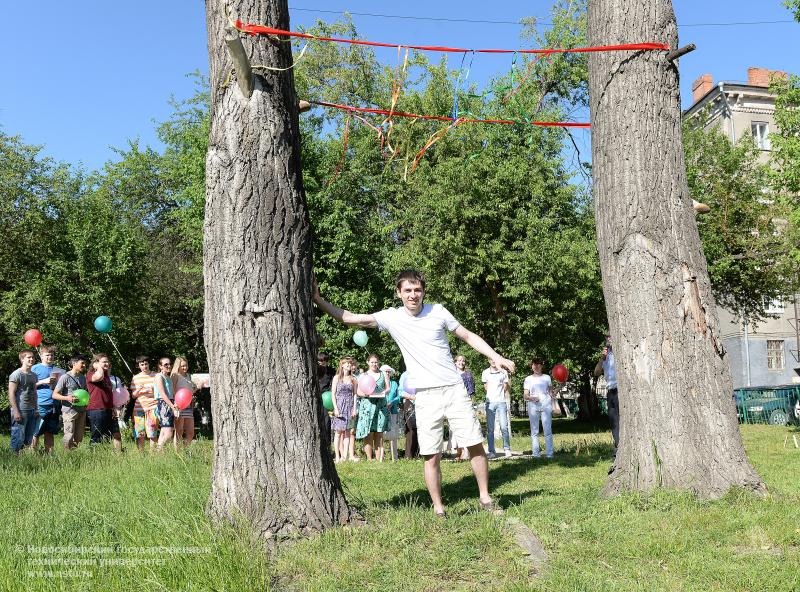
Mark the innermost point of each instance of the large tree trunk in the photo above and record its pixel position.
(678, 421)
(272, 467)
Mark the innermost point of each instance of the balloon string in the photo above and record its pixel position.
(121, 357)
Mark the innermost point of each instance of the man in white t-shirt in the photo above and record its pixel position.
(420, 330)
(537, 392)
(495, 381)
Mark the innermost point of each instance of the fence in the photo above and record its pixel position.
(773, 405)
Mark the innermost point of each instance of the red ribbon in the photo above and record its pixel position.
(262, 30)
(446, 118)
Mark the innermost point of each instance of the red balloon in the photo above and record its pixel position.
(183, 398)
(560, 372)
(33, 337)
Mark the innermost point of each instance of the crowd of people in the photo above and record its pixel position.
(376, 418)
(43, 398)
(443, 390)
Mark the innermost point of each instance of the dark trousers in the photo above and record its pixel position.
(613, 414)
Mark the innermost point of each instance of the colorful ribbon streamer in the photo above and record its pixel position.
(263, 30)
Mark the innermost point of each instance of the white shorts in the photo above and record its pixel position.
(452, 402)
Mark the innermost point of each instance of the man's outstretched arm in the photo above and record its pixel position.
(343, 316)
(477, 343)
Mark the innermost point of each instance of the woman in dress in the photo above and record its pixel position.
(343, 386)
(373, 413)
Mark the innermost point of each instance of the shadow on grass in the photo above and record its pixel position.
(501, 471)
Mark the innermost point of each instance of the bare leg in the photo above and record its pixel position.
(188, 436)
(337, 438)
(368, 446)
(48, 442)
(433, 480)
(178, 434)
(164, 436)
(116, 440)
(377, 438)
(352, 445)
(480, 466)
(344, 444)
(393, 449)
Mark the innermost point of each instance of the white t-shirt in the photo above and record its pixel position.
(495, 382)
(538, 385)
(423, 341)
(610, 370)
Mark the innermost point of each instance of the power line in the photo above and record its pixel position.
(518, 22)
(410, 17)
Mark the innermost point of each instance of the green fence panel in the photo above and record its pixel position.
(773, 405)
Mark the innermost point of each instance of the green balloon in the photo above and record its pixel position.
(327, 400)
(81, 398)
(361, 338)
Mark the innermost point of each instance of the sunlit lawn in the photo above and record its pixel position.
(143, 517)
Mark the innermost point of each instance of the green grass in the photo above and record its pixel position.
(148, 510)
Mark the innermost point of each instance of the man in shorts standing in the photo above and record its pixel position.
(420, 332)
(49, 410)
(73, 415)
(145, 421)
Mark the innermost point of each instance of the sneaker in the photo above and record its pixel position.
(491, 455)
(508, 453)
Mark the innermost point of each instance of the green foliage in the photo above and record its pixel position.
(744, 235)
(794, 6)
(786, 142)
(490, 213)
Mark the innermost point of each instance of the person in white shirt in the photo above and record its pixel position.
(495, 381)
(537, 391)
(420, 330)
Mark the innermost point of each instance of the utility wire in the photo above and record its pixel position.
(519, 22)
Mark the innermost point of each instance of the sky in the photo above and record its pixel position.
(81, 78)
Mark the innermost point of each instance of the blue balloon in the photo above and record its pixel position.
(103, 324)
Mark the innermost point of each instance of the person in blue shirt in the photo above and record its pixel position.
(47, 376)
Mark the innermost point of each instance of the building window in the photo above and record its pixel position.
(775, 354)
(761, 135)
(774, 307)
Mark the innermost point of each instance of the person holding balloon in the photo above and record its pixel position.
(344, 388)
(182, 382)
(537, 391)
(166, 409)
(71, 392)
(420, 330)
(373, 413)
(100, 410)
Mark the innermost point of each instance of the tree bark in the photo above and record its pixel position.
(678, 422)
(272, 468)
